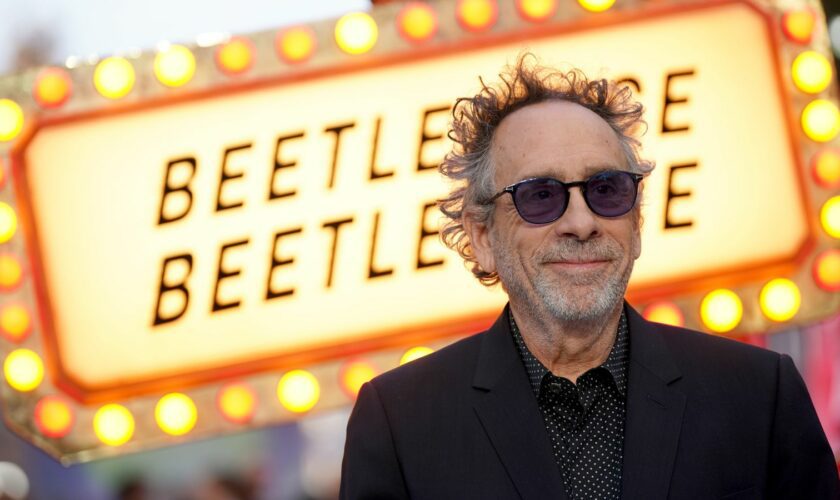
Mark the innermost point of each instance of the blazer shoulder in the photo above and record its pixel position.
(445, 366)
(713, 352)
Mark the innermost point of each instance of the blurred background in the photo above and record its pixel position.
(299, 460)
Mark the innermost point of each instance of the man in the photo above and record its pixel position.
(571, 394)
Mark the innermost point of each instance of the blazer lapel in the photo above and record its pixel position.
(508, 412)
(654, 413)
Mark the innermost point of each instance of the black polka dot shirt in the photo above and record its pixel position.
(585, 421)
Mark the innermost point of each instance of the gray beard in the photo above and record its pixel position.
(563, 308)
(554, 301)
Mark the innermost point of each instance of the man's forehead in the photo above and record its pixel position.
(544, 139)
(560, 120)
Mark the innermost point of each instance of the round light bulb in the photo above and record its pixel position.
(830, 217)
(826, 270)
(176, 414)
(477, 15)
(174, 66)
(237, 402)
(415, 353)
(825, 167)
(354, 375)
(114, 77)
(596, 5)
(356, 33)
(721, 310)
(24, 370)
(298, 391)
(536, 10)
(780, 299)
(798, 25)
(295, 45)
(10, 272)
(11, 120)
(236, 56)
(417, 22)
(15, 322)
(811, 72)
(113, 424)
(666, 313)
(821, 120)
(53, 417)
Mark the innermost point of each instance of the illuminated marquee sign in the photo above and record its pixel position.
(191, 225)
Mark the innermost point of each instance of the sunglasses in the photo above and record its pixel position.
(542, 199)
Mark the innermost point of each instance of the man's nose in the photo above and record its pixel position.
(577, 221)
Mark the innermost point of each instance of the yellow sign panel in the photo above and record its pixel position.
(300, 218)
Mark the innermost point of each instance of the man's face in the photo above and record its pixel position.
(577, 267)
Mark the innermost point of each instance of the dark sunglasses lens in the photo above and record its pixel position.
(540, 201)
(610, 194)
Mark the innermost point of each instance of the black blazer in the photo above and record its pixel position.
(707, 418)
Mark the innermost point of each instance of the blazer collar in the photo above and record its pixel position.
(654, 412)
(648, 348)
(498, 353)
(508, 412)
(510, 416)
(497, 356)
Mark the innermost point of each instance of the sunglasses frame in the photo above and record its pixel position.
(637, 178)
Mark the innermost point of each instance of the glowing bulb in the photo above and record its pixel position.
(780, 299)
(298, 391)
(825, 167)
(114, 77)
(356, 33)
(295, 45)
(174, 66)
(721, 310)
(354, 375)
(237, 402)
(10, 272)
(596, 5)
(798, 25)
(830, 217)
(176, 414)
(415, 353)
(826, 270)
(24, 370)
(8, 222)
(536, 10)
(113, 424)
(53, 417)
(417, 22)
(811, 72)
(821, 120)
(52, 88)
(666, 313)
(236, 56)
(14, 322)
(11, 119)
(477, 15)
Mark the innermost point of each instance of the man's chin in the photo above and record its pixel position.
(584, 305)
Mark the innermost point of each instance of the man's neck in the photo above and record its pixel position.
(567, 349)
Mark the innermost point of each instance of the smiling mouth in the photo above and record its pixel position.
(577, 264)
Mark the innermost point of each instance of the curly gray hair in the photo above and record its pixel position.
(475, 120)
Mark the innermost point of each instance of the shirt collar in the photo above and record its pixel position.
(616, 362)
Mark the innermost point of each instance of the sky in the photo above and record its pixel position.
(102, 27)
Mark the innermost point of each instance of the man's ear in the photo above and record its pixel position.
(479, 234)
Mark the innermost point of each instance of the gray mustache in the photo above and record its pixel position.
(577, 251)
